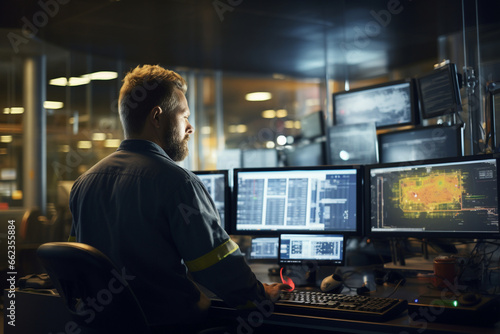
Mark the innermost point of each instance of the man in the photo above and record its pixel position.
(153, 217)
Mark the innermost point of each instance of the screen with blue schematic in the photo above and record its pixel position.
(325, 198)
(321, 248)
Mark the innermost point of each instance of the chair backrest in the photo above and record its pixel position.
(97, 294)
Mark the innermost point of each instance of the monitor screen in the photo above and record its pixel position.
(302, 199)
(439, 92)
(433, 142)
(387, 105)
(321, 249)
(436, 198)
(217, 184)
(313, 125)
(310, 154)
(352, 144)
(264, 248)
(259, 158)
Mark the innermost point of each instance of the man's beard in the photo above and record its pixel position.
(176, 149)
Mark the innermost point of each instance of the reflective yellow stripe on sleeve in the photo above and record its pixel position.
(212, 257)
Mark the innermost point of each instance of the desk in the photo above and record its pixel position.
(292, 323)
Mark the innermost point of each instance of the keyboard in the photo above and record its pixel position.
(353, 307)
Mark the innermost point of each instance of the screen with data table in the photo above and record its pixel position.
(320, 248)
(306, 199)
(217, 184)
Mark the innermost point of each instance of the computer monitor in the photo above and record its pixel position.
(259, 158)
(313, 125)
(264, 248)
(439, 92)
(324, 199)
(431, 142)
(387, 105)
(217, 184)
(320, 249)
(444, 198)
(309, 154)
(351, 144)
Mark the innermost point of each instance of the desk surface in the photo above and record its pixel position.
(421, 285)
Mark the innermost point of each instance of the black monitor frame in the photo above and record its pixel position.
(227, 194)
(313, 261)
(427, 234)
(447, 74)
(358, 169)
(435, 130)
(413, 104)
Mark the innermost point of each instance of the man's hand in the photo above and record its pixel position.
(273, 290)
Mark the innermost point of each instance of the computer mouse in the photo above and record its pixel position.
(333, 283)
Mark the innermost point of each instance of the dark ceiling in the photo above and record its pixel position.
(256, 36)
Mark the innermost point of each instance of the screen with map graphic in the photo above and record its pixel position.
(443, 198)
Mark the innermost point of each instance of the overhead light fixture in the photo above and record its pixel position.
(112, 143)
(13, 111)
(53, 105)
(98, 136)
(270, 113)
(101, 75)
(270, 144)
(241, 128)
(5, 139)
(206, 130)
(84, 144)
(258, 96)
(289, 124)
(280, 113)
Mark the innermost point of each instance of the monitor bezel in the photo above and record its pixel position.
(226, 224)
(458, 132)
(451, 72)
(425, 234)
(317, 115)
(312, 261)
(414, 119)
(270, 232)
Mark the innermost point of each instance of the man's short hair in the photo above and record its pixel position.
(144, 88)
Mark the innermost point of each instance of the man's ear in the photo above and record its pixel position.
(154, 116)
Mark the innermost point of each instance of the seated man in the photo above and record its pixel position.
(154, 218)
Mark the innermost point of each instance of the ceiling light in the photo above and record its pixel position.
(241, 128)
(280, 113)
(84, 144)
(297, 124)
(258, 96)
(289, 124)
(58, 82)
(74, 81)
(112, 143)
(270, 113)
(53, 105)
(98, 136)
(101, 75)
(5, 139)
(232, 128)
(13, 111)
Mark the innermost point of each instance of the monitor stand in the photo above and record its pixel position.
(399, 261)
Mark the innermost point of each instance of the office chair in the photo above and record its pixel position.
(97, 299)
